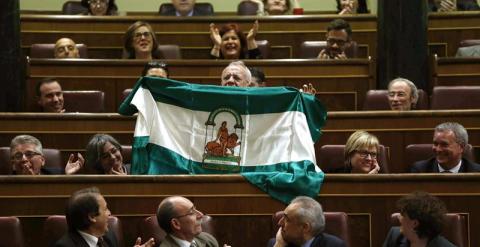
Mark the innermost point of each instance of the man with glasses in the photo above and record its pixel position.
(338, 38)
(303, 224)
(26, 156)
(182, 222)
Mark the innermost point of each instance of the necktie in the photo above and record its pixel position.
(446, 172)
(101, 242)
(193, 244)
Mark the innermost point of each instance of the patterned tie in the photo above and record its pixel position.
(101, 242)
(193, 244)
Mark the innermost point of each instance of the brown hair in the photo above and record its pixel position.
(128, 50)
(243, 40)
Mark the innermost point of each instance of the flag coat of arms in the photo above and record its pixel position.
(265, 134)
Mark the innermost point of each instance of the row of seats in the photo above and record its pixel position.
(442, 98)
(308, 49)
(330, 157)
(459, 97)
(336, 223)
(244, 8)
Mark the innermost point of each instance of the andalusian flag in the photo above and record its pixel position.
(265, 134)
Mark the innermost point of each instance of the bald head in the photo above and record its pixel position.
(66, 48)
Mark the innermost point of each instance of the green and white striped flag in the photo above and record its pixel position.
(265, 134)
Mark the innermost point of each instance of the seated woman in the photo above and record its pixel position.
(100, 7)
(421, 220)
(352, 7)
(104, 156)
(140, 42)
(230, 43)
(361, 151)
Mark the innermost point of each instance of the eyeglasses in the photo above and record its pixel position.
(339, 42)
(192, 211)
(139, 35)
(28, 155)
(364, 154)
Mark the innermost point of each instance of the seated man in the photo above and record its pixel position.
(402, 94)
(452, 5)
(87, 218)
(185, 8)
(258, 77)
(50, 95)
(182, 222)
(155, 69)
(449, 141)
(338, 38)
(66, 48)
(302, 224)
(469, 51)
(26, 155)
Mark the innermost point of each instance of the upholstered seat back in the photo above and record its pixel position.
(378, 100)
(55, 226)
(48, 50)
(206, 8)
(331, 158)
(84, 101)
(11, 232)
(336, 223)
(73, 8)
(455, 229)
(247, 8)
(455, 97)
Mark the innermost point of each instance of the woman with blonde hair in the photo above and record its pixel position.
(361, 152)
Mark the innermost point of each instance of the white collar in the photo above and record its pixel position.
(453, 170)
(90, 239)
(181, 242)
(189, 13)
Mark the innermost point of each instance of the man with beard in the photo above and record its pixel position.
(338, 38)
(449, 141)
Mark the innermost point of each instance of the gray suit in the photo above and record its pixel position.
(203, 240)
(469, 51)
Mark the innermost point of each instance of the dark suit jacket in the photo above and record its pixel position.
(321, 240)
(203, 240)
(430, 166)
(396, 239)
(196, 12)
(74, 239)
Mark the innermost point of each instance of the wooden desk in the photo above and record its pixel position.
(104, 35)
(242, 212)
(71, 132)
(341, 84)
(455, 71)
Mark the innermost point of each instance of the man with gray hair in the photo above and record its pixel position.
(26, 157)
(302, 224)
(236, 74)
(402, 94)
(449, 142)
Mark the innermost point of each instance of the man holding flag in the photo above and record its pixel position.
(268, 139)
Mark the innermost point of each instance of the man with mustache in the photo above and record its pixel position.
(449, 141)
(338, 38)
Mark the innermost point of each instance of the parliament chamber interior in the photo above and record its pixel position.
(354, 92)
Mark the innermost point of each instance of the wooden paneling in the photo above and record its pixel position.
(242, 211)
(455, 71)
(341, 84)
(71, 132)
